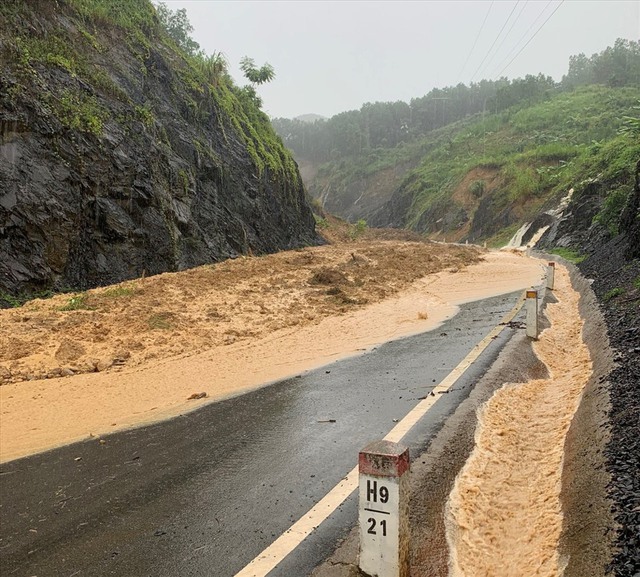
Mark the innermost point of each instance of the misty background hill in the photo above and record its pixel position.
(477, 162)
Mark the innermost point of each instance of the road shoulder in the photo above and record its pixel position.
(434, 471)
(585, 543)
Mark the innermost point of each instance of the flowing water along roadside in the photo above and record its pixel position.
(525, 450)
(505, 514)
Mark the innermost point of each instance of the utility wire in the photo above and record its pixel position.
(504, 38)
(475, 42)
(495, 40)
(521, 39)
(530, 39)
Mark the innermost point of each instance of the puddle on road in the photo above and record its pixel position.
(504, 516)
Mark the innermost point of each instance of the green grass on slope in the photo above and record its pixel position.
(347, 172)
(80, 47)
(569, 254)
(540, 152)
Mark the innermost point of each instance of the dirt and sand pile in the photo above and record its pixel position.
(176, 314)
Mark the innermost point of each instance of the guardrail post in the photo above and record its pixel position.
(532, 313)
(551, 273)
(384, 509)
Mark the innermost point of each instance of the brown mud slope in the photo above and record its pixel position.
(144, 351)
(182, 313)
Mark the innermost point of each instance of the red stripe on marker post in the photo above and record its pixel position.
(551, 273)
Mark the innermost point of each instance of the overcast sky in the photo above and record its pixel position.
(332, 56)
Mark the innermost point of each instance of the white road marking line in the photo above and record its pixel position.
(415, 414)
(301, 529)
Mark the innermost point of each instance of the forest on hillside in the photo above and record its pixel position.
(390, 124)
(477, 162)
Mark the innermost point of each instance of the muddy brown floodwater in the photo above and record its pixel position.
(504, 516)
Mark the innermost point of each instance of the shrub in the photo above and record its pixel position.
(609, 215)
(357, 229)
(477, 188)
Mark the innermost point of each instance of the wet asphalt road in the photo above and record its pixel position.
(204, 493)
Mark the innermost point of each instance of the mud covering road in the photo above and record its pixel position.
(585, 546)
(205, 493)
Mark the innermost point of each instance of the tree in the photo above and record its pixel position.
(617, 65)
(254, 74)
(580, 72)
(177, 26)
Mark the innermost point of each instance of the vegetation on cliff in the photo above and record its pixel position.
(145, 153)
(72, 48)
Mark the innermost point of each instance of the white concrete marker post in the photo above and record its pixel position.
(551, 273)
(532, 314)
(384, 509)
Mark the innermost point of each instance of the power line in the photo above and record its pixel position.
(475, 42)
(521, 39)
(530, 39)
(495, 40)
(504, 38)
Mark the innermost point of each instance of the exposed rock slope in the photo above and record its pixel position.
(121, 157)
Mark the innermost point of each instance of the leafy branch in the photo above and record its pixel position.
(256, 75)
(631, 124)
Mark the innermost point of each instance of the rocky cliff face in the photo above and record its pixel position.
(578, 226)
(361, 195)
(119, 156)
(630, 219)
